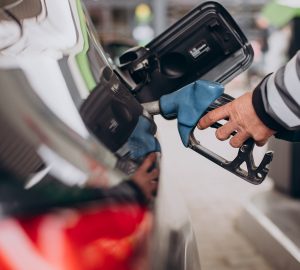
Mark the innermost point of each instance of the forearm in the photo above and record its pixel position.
(276, 99)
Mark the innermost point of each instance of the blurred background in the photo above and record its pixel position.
(237, 225)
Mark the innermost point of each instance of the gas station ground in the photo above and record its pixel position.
(214, 199)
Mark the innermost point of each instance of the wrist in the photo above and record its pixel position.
(259, 107)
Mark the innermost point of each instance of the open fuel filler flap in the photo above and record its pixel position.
(205, 44)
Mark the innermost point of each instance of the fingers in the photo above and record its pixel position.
(152, 190)
(146, 177)
(149, 183)
(225, 131)
(148, 162)
(261, 143)
(153, 175)
(213, 116)
(237, 140)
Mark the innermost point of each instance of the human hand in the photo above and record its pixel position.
(241, 118)
(146, 177)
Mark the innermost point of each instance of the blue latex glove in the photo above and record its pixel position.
(142, 140)
(188, 104)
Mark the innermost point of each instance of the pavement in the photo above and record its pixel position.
(213, 197)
